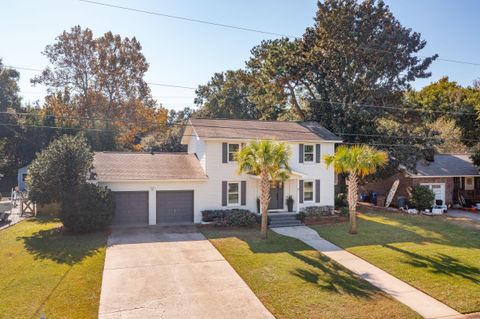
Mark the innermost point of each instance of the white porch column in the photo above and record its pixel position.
(152, 206)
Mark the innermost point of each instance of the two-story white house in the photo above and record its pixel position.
(165, 188)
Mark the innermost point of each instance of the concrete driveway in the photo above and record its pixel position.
(171, 273)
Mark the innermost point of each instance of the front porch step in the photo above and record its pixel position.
(289, 220)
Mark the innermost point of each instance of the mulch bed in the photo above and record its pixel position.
(324, 220)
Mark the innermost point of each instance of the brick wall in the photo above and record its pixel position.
(382, 186)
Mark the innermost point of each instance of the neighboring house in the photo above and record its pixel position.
(449, 176)
(164, 188)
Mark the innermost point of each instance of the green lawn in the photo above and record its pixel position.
(295, 281)
(430, 253)
(43, 272)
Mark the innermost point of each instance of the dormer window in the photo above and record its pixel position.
(308, 153)
(232, 152)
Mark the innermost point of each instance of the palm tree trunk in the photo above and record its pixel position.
(352, 196)
(264, 200)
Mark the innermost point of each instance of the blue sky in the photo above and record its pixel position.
(187, 54)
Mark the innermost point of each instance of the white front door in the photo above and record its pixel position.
(438, 189)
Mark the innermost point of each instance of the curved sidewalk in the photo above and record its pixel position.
(420, 302)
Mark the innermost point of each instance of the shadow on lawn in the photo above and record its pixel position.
(442, 264)
(401, 228)
(335, 278)
(64, 249)
(323, 272)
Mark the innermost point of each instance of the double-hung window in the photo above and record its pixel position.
(232, 152)
(308, 153)
(308, 191)
(233, 195)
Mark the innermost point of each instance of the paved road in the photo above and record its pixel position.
(420, 302)
(171, 273)
(463, 214)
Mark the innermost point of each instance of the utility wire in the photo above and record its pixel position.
(190, 135)
(229, 26)
(150, 83)
(253, 30)
(392, 107)
(145, 123)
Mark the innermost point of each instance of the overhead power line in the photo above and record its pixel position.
(145, 123)
(391, 107)
(241, 28)
(190, 135)
(150, 83)
(170, 16)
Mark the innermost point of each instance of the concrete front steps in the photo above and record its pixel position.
(278, 220)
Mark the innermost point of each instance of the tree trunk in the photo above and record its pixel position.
(264, 200)
(352, 183)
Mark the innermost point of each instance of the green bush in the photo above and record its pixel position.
(229, 217)
(211, 215)
(422, 197)
(344, 211)
(315, 211)
(59, 170)
(91, 208)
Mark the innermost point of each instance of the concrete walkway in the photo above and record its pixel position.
(420, 302)
(172, 273)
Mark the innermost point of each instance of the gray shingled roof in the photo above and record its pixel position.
(447, 165)
(115, 166)
(250, 129)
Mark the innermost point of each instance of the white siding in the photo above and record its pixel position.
(218, 172)
(197, 146)
(208, 194)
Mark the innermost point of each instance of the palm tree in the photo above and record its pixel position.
(356, 161)
(269, 161)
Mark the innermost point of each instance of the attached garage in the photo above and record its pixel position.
(131, 208)
(149, 189)
(174, 207)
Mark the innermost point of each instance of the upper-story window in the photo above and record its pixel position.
(232, 152)
(308, 153)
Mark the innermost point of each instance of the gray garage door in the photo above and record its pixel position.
(174, 207)
(131, 208)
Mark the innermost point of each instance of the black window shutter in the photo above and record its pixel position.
(300, 191)
(462, 186)
(243, 193)
(300, 153)
(317, 153)
(224, 152)
(224, 193)
(317, 191)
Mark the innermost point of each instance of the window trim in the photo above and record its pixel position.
(239, 194)
(313, 153)
(228, 152)
(313, 191)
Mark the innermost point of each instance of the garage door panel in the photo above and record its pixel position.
(174, 207)
(131, 208)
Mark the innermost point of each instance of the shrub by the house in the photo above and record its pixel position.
(229, 217)
(422, 197)
(315, 211)
(59, 174)
(92, 208)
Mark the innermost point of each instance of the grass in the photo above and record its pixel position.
(432, 254)
(295, 281)
(44, 272)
